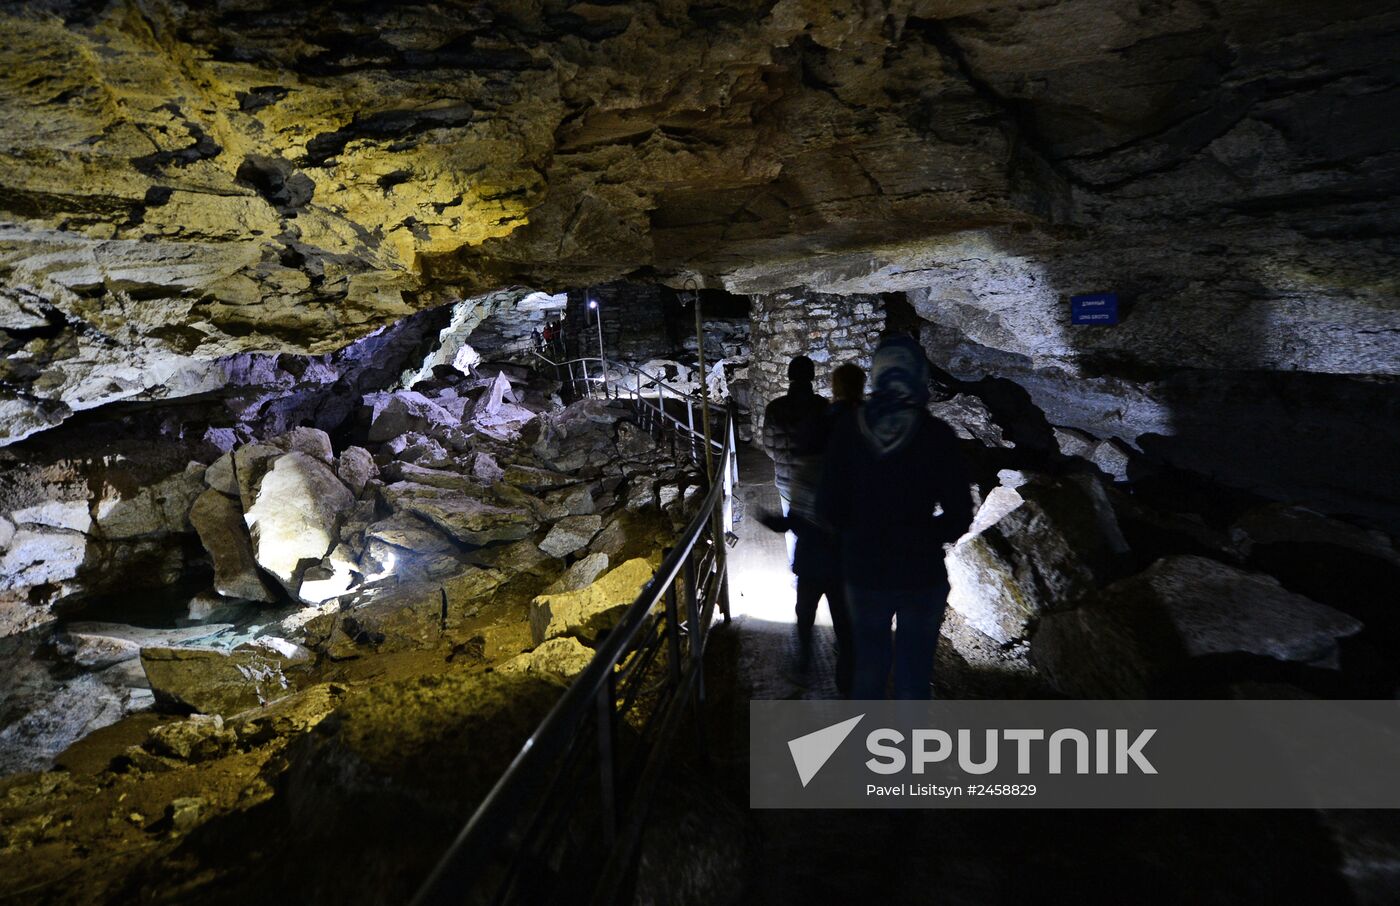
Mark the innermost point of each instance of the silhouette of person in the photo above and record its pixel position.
(786, 421)
(888, 471)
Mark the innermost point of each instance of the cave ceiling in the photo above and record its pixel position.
(183, 182)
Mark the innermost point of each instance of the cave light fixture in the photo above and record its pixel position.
(598, 322)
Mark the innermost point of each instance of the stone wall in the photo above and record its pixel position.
(640, 321)
(831, 330)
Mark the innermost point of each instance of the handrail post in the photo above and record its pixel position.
(690, 425)
(697, 652)
(673, 633)
(607, 764)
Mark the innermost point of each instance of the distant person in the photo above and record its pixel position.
(888, 470)
(848, 390)
(537, 340)
(785, 421)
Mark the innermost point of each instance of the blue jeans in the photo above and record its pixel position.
(919, 612)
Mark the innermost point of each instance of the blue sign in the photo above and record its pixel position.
(1094, 308)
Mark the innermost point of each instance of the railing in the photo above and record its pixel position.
(565, 820)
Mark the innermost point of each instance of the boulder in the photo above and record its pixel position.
(1353, 569)
(251, 461)
(1073, 442)
(633, 442)
(59, 718)
(155, 509)
(580, 434)
(521, 557)
(199, 737)
(580, 575)
(219, 521)
(215, 682)
(418, 448)
(490, 402)
(335, 575)
(71, 515)
(393, 414)
(434, 478)
(293, 520)
(575, 501)
(570, 534)
(969, 416)
(564, 657)
(406, 617)
(1139, 634)
(486, 470)
(220, 475)
(589, 612)
(355, 466)
(1113, 457)
(1039, 547)
(466, 518)
(37, 556)
(528, 478)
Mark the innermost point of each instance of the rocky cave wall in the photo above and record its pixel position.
(186, 183)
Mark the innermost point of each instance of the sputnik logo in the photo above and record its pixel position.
(811, 752)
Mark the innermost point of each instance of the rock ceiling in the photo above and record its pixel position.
(178, 183)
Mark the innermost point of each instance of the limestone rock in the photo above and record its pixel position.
(565, 657)
(1142, 632)
(1353, 569)
(199, 737)
(418, 448)
(1113, 457)
(1037, 548)
(251, 461)
(403, 412)
(60, 718)
(215, 682)
(591, 611)
(580, 575)
(1073, 442)
(70, 515)
(220, 475)
(293, 520)
(575, 501)
(355, 466)
(970, 418)
(155, 509)
(570, 534)
(219, 521)
(41, 556)
(468, 519)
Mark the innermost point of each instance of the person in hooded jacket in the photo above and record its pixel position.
(895, 490)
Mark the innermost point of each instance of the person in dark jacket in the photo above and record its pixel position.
(816, 560)
(895, 490)
(786, 423)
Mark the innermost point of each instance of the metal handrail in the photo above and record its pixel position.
(602, 377)
(698, 560)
